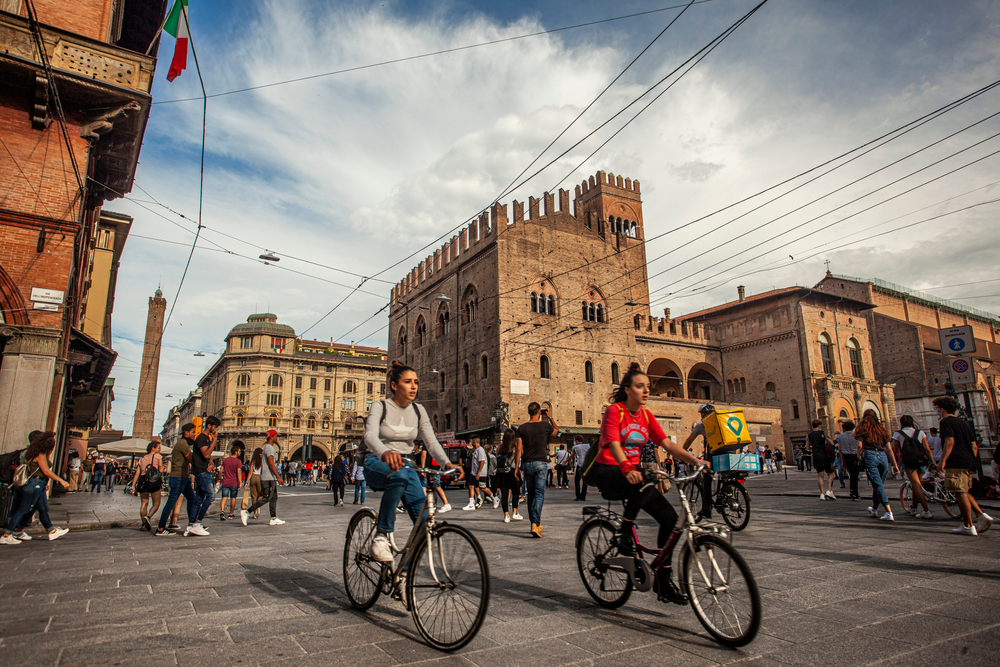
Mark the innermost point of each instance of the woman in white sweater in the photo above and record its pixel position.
(390, 430)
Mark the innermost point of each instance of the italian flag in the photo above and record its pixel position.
(177, 25)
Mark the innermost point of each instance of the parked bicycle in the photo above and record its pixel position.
(731, 499)
(720, 586)
(935, 492)
(441, 574)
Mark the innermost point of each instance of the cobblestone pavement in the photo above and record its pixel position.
(839, 589)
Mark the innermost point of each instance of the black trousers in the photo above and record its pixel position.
(614, 486)
(508, 483)
(580, 484)
(562, 479)
(851, 464)
(268, 494)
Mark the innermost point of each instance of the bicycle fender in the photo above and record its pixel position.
(629, 565)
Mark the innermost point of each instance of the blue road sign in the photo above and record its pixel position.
(956, 344)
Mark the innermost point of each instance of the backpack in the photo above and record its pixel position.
(505, 463)
(911, 451)
(9, 462)
(150, 480)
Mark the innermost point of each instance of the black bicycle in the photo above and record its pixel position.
(731, 499)
(722, 590)
(441, 574)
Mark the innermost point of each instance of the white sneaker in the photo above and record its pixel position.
(983, 522)
(470, 506)
(516, 516)
(926, 514)
(506, 518)
(275, 521)
(496, 502)
(871, 510)
(9, 539)
(886, 517)
(822, 496)
(965, 530)
(23, 536)
(381, 550)
(444, 508)
(244, 515)
(57, 533)
(829, 494)
(196, 529)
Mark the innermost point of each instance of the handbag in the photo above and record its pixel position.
(246, 499)
(21, 475)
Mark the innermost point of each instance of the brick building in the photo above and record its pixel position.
(74, 99)
(903, 326)
(315, 394)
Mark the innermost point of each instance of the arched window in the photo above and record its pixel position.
(588, 371)
(543, 367)
(743, 385)
(326, 423)
(795, 409)
(534, 302)
(441, 381)
(615, 374)
(470, 305)
(465, 373)
(239, 419)
(592, 312)
(485, 363)
(350, 387)
(770, 393)
(312, 421)
(585, 310)
(444, 322)
(243, 380)
(401, 343)
(552, 305)
(729, 385)
(272, 420)
(600, 313)
(274, 380)
(826, 353)
(854, 353)
(420, 332)
(296, 421)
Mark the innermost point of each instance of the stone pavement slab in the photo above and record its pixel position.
(839, 589)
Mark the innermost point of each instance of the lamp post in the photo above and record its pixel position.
(500, 412)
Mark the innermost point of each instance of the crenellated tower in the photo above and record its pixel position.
(610, 204)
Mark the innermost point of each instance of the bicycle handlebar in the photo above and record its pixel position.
(662, 475)
(435, 471)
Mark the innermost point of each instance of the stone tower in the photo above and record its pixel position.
(145, 405)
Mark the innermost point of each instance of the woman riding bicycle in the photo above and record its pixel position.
(625, 429)
(390, 430)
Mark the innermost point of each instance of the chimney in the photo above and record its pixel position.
(742, 291)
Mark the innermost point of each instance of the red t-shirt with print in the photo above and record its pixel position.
(631, 429)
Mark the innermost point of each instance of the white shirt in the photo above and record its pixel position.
(265, 470)
(580, 453)
(937, 449)
(561, 457)
(479, 457)
(909, 433)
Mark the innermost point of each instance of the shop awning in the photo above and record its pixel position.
(474, 431)
(88, 365)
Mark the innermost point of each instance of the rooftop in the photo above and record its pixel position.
(905, 292)
(262, 323)
(764, 296)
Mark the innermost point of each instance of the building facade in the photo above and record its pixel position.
(904, 325)
(315, 394)
(183, 413)
(74, 98)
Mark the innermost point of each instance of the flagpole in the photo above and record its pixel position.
(156, 35)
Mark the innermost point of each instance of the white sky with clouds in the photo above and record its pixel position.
(358, 170)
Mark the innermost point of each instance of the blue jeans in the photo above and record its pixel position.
(404, 484)
(535, 475)
(204, 495)
(177, 486)
(110, 479)
(359, 489)
(32, 498)
(878, 469)
(96, 480)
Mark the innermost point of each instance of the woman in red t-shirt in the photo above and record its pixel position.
(626, 427)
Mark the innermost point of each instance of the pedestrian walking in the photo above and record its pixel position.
(35, 469)
(877, 455)
(580, 449)
(822, 459)
(848, 448)
(391, 428)
(532, 448)
(548, 469)
(253, 480)
(75, 464)
(148, 483)
(491, 474)
(562, 467)
(360, 485)
(338, 480)
(232, 480)
(779, 459)
(477, 479)
(916, 456)
(769, 459)
(179, 483)
(270, 478)
(960, 455)
(508, 476)
(202, 469)
(760, 460)
(110, 470)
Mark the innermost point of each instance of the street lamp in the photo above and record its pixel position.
(500, 411)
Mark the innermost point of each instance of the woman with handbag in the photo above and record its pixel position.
(32, 477)
(148, 482)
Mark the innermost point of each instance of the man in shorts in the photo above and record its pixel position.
(232, 480)
(959, 458)
(822, 459)
(479, 468)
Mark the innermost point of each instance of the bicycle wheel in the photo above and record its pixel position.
(735, 506)
(722, 590)
(906, 496)
(949, 504)
(609, 587)
(362, 575)
(448, 587)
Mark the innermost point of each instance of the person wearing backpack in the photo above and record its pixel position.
(508, 476)
(916, 455)
(32, 477)
(148, 482)
(823, 458)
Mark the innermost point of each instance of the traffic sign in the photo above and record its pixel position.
(957, 340)
(962, 371)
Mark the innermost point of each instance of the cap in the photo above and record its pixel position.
(706, 407)
(272, 433)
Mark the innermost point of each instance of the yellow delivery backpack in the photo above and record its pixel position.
(726, 431)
